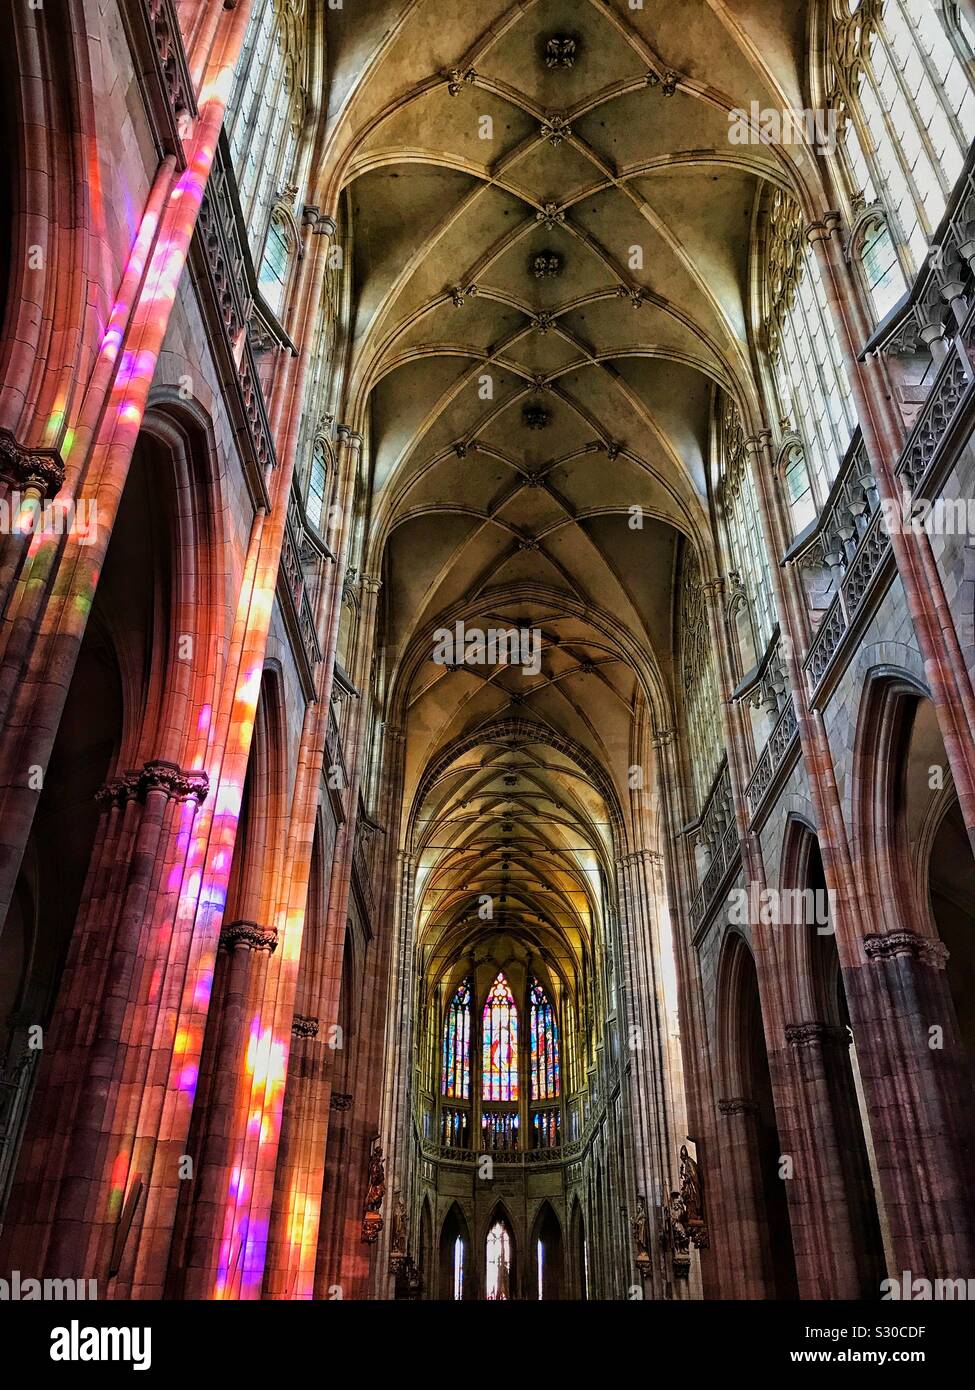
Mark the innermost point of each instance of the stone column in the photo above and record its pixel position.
(222, 1243)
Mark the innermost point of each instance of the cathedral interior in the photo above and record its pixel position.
(487, 664)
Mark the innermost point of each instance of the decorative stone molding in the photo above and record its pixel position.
(737, 1105)
(31, 468)
(156, 775)
(303, 1026)
(555, 129)
(460, 294)
(249, 934)
(560, 51)
(541, 323)
(340, 1100)
(883, 946)
(458, 78)
(670, 81)
(551, 215)
(814, 1031)
(634, 294)
(545, 265)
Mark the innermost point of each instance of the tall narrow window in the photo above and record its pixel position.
(500, 1043)
(498, 1284)
(540, 1261)
(273, 275)
(544, 1046)
(813, 391)
(456, 1082)
(894, 70)
(738, 506)
(459, 1268)
(697, 679)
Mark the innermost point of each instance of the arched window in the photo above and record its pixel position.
(810, 381)
(801, 500)
(544, 1046)
(500, 1043)
(279, 245)
(266, 109)
(317, 485)
(498, 1283)
(895, 71)
(456, 1081)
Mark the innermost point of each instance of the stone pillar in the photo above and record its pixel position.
(223, 1247)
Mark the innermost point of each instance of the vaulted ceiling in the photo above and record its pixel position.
(530, 385)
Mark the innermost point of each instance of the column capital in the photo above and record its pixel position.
(155, 775)
(249, 934)
(304, 1026)
(815, 1031)
(371, 583)
(758, 442)
(737, 1105)
(660, 738)
(40, 469)
(883, 946)
(823, 228)
(347, 435)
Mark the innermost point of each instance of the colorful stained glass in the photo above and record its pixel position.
(545, 1078)
(456, 1081)
(500, 1043)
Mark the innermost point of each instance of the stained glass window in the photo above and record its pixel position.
(456, 1081)
(500, 1045)
(499, 1260)
(544, 1046)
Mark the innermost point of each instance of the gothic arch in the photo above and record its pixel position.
(454, 1228)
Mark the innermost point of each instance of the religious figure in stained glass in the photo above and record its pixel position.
(456, 1083)
(544, 1046)
(500, 1043)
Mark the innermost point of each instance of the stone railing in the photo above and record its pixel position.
(221, 259)
(951, 393)
(160, 62)
(509, 1158)
(299, 617)
(780, 740)
(716, 827)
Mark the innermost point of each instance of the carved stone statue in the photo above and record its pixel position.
(399, 1227)
(640, 1225)
(372, 1221)
(676, 1235)
(692, 1197)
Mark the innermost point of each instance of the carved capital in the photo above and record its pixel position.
(824, 228)
(737, 1105)
(249, 934)
(341, 1100)
(814, 1031)
(159, 775)
(303, 1026)
(40, 469)
(883, 946)
(345, 434)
